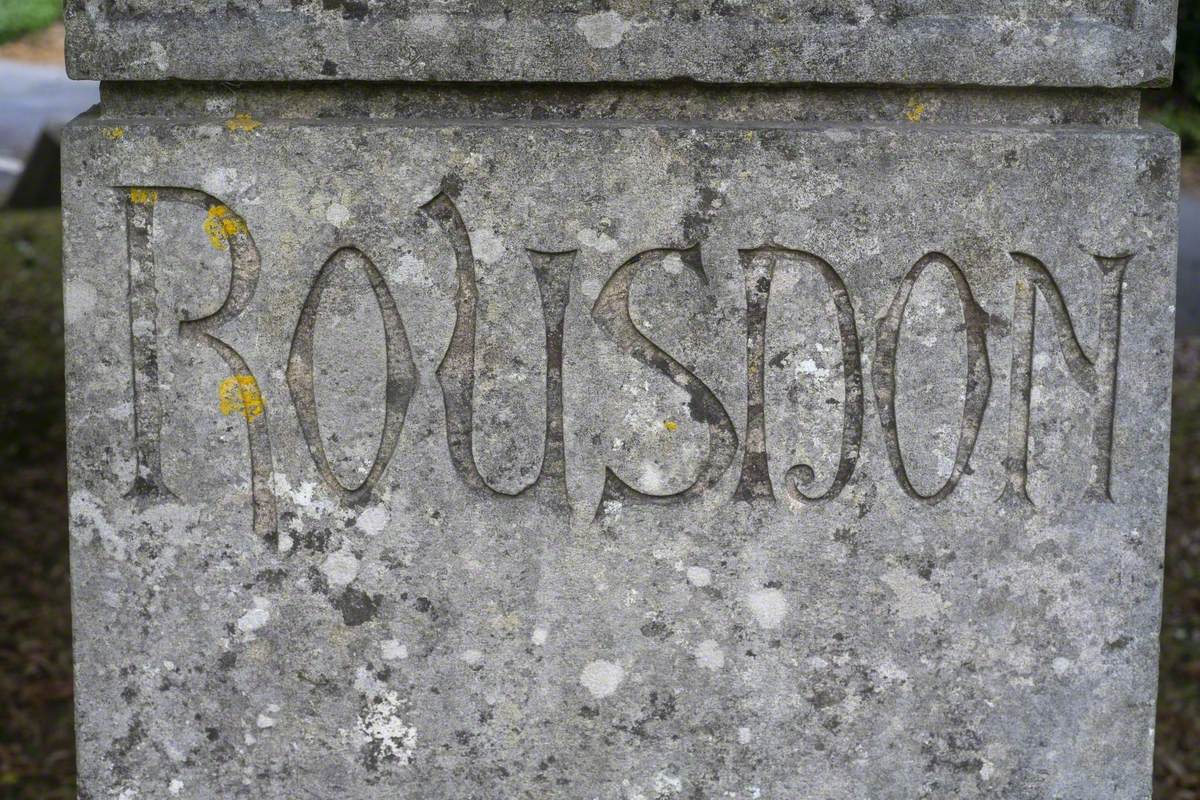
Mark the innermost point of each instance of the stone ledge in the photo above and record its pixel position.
(1027, 44)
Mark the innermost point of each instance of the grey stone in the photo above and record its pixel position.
(338, 533)
(1080, 43)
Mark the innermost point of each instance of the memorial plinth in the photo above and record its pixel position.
(571, 431)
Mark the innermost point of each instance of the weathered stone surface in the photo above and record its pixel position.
(839, 589)
(961, 42)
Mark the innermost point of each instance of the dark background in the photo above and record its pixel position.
(37, 755)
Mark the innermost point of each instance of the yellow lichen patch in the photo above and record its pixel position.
(113, 133)
(240, 393)
(220, 225)
(243, 123)
(671, 425)
(143, 197)
(914, 110)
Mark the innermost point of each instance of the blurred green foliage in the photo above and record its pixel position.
(18, 17)
(1177, 752)
(1179, 106)
(37, 744)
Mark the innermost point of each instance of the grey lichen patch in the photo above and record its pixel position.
(388, 739)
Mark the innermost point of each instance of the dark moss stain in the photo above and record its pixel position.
(659, 707)
(315, 541)
(1120, 643)
(351, 9)
(656, 629)
(452, 185)
(955, 750)
(357, 606)
(826, 696)
(847, 537)
(119, 752)
(320, 585)
(272, 578)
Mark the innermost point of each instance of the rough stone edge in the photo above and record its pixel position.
(287, 46)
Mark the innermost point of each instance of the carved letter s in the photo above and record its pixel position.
(611, 313)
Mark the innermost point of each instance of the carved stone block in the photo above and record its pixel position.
(479, 455)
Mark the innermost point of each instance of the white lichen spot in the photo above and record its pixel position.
(596, 240)
(340, 568)
(652, 478)
(256, 617)
(175, 787)
(337, 215)
(393, 650)
(710, 655)
(1061, 665)
(768, 606)
(672, 264)
(388, 737)
(893, 673)
(366, 681)
(487, 246)
(809, 367)
(744, 735)
(601, 678)
(666, 785)
(219, 106)
(472, 657)
(407, 267)
(987, 770)
(914, 599)
(373, 520)
(79, 298)
(539, 636)
(430, 24)
(699, 576)
(158, 54)
(602, 30)
(304, 498)
(264, 721)
(221, 181)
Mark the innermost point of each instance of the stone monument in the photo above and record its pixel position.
(623, 400)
